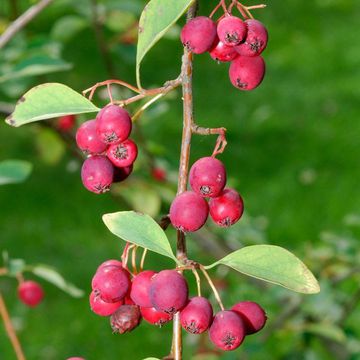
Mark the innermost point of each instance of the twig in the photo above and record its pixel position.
(221, 140)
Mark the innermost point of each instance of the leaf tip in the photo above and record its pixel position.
(10, 121)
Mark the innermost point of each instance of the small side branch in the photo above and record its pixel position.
(221, 140)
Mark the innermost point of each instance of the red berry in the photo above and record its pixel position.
(97, 174)
(140, 288)
(246, 73)
(87, 139)
(122, 173)
(198, 34)
(113, 124)
(125, 319)
(207, 176)
(231, 30)
(102, 308)
(227, 208)
(227, 331)
(168, 291)
(256, 39)
(222, 52)
(197, 315)
(155, 317)
(188, 211)
(110, 262)
(252, 314)
(66, 122)
(30, 293)
(158, 174)
(123, 154)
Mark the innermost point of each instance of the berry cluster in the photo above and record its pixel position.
(30, 293)
(189, 210)
(230, 40)
(111, 152)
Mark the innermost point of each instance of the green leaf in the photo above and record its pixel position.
(327, 330)
(273, 264)
(66, 27)
(14, 171)
(16, 266)
(139, 229)
(156, 19)
(50, 146)
(48, 101)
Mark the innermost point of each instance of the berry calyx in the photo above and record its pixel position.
(102, 308)
(155, 317)
(231, 30)
(30, 293)
(222, 52)
(87, 139)
(252, 314)
(125, 319)
(140, 288)
(122, 173)
(122, 154)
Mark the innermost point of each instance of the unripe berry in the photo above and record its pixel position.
(102, 308)
(198, 34)
(125, 319)
(97, 174)
(122, 173)
(188, 211)
(246, 73)
(87, 139)
(207, 176)
(222, 52)
(168, 291)
(252, 314)
(197, 315)
(155, 317)
(30, 293)
(140, 288)
(231, 30)
(123, 154)
(227, 331)
(256, 39)
(66, 122)
(227, 208)
(113, 124)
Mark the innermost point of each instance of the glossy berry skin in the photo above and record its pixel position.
(231, 30)
(113, 124)
(252, 314)
(207, 176)
(102, 308)
(188, 211)
(227, 208)
(198, 34)
(30, 293)
(111, 283)
(66, 122)
(87, 139)
(97, 174)
(125, 319)
(246, 73)
(197, 315)
(122, 173)
(168, 291)
(123, 154)
(222, 52)
(140, 288)
(155, 317)
(112, 262)
(227, 331)
(256, 39)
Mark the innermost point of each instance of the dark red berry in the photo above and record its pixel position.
(197, 315)
(102, 308)
(207, 176)
(231, 30)
(122, 173)
(140, 288)
(256, 39)
(227, 331)
(158, 174)
(198, 34)
(188, 211)
(125, 319)
(123, 154)
(222, 52)
(227, 208)
(87, 139)
(113, 124)
(155, 317)
(168, 291)
(30, 293)
(252, 314)
(246, 73)
(97, 174)
(66, 122)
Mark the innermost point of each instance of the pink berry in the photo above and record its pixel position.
(198, 34)
(30, 293)
(122, 154)
(97, 174)
(87, 139)
(227, 208)
(102, 308)
(66, 122)
(188, 211)
(122, 173)
(252, 314)
(256, 39)
(110, 262)
(168, 291)
(113, 124)
(155, 317)
(140, 288)
(227, 331)
(197, 315)
(222, 52)
(246, 73)
(125, 319)
(231, 30)
(207, 176)
(75, 358)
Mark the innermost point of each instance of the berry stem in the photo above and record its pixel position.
(221, 140)
(143, 260)
(198, 281)
(140, 111)
(133, 260)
